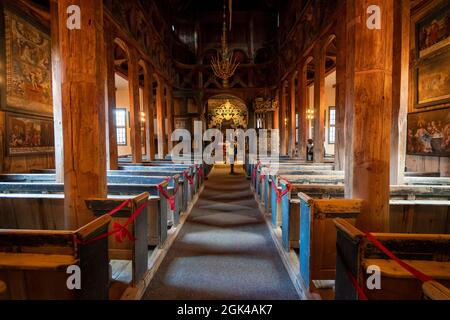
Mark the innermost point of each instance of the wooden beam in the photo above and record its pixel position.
(170, 120)
(368, 112)
(341, 73)
(56, 89)
(83, 99)
(149, 111)
(160, 116)
(292, 114)
(135, 107)
(111, 137)
(400, 86)
(283, 117)
(302, 108)
(319, 102)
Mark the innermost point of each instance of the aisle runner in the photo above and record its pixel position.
(224, 250)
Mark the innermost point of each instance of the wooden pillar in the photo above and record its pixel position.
(292, 114)
(135, 107)
(341, 65)
(302, 108)
(83, 117)
(368, 112)
(283, 124)
(160, 120)
(319, 102)
(400, 85)
(149, 112)
(170, 120)
(111, 137)
(56, 89)
(276, 114)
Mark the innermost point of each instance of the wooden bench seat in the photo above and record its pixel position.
(429, 253)
(389, 268)
(435, 291)
(2, 290)
(33, 263)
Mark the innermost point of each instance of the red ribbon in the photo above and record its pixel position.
(261, 177)
(200, 172)
(191, 180)
(416, 273)
(170, 199)
(279, 194)
(121, 232)
(123, 205)
(255, 169)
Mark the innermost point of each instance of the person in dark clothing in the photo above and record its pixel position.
(310, 150)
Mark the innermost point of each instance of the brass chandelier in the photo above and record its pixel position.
(224, 65)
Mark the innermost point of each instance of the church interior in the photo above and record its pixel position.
(342, 188)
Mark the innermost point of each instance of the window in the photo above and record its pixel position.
(332, 126)
(121, 126)
(296, 128)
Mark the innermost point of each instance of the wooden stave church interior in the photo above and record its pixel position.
(303, 60)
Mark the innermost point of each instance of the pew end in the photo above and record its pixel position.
(317, 251)
(428, 253)
(136, 251)
(33, 263)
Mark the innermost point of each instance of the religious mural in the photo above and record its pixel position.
(433, 81)
(429, 133)
(28, 67)
(29, 135)
(433, 32)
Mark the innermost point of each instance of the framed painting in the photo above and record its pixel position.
(432, 81)
(27, 65)
(433, 31)
(29, 135)
(429, 133)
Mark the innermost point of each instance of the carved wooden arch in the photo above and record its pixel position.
(118, 42)
(308, 61)
(331, 38)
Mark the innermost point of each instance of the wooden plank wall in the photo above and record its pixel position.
(428, 164)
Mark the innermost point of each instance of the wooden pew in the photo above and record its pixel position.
(413, 209)
(427, 181)
(33, 263)
(277, 208)
(317, 253)
(429, 254)
(190, 188)
(2, 290)
(182, 200)
(435, 291)
(36, 212)
(22, 193)
(134, 250)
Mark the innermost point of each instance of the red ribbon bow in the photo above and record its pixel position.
(279, 194)
(122, 233)
(170, 200)
(261, 177)
(191, 181)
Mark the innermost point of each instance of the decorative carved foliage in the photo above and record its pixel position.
(307, 28)
(140, 26)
